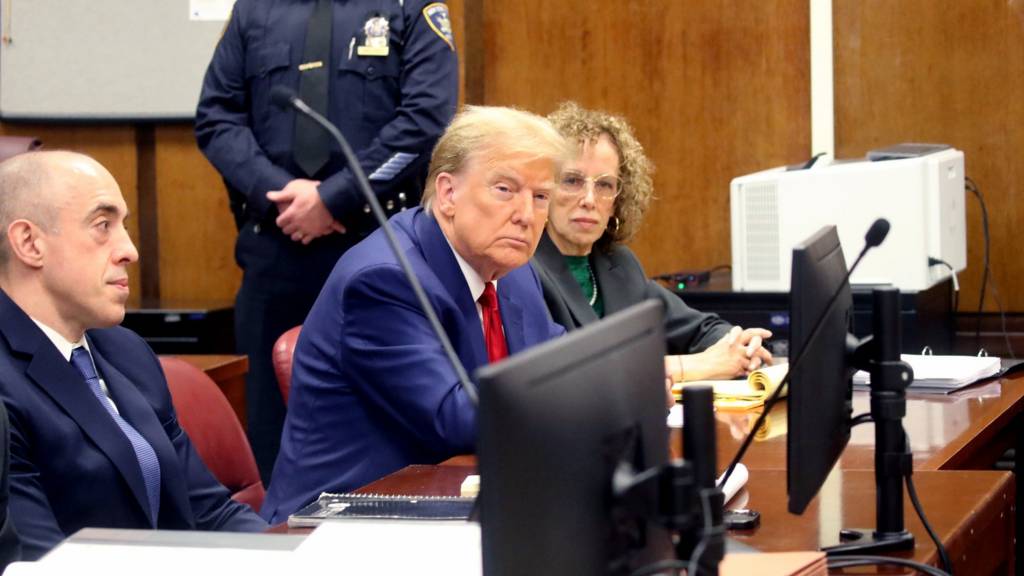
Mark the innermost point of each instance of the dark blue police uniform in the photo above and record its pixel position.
(391, 96)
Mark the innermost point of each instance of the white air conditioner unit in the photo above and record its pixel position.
(922, 197)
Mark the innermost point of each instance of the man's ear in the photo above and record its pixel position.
(444, 187)
(25, 241)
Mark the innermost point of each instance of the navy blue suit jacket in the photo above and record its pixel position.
(372, 390)
(72, 467)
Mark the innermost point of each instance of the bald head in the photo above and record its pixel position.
(35, 184)
(66, 249)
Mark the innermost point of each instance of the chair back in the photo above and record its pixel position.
(211, 424)
(284, 349)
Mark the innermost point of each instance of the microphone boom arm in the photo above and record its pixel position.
(282, 96)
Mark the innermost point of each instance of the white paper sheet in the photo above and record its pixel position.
(382, 548)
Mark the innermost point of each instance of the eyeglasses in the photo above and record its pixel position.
(575, 184)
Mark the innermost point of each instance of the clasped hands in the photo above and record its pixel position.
(303, 217)
(736, 354)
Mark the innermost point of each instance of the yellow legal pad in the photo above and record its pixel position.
(742, 394)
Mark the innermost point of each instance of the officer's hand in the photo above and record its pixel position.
(303, 214)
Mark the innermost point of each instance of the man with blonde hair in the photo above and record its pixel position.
(94, 437)
(372, 390)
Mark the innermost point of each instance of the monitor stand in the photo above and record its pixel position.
(880, 355)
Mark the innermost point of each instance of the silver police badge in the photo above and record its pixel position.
(376, 31)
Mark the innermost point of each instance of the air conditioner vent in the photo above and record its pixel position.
(761, 217)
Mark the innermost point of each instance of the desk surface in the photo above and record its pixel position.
(968, 429)
(965, 430)
(970, 510)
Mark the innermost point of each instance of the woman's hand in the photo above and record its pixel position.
(736, 354)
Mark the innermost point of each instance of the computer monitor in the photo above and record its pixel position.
(820, 388)
(553, 423)
(823, 362)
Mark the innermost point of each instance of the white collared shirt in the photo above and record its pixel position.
(65, 347)
(474, 281)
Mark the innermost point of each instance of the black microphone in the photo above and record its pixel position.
(286, 98)
(876, 233)
(874, 236)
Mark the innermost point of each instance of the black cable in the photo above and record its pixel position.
(986, 276)
(1002, 317)
(861, 419)
(973, 188)
(709, 531)
(673, 566)
(943, 554)
(932, 261)
(837, 562)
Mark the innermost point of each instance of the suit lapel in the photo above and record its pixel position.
(134, 408)
(568, 289)
(66, 387)
(441, 259)
(511, 316)
(613, 281)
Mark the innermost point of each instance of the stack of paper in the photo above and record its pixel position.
(775, 564)
(942, 374)
(749, 392)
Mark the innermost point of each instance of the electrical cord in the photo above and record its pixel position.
(943, 555)
(682, 278)
(973, 189)
(932, 261)
(986, 276)
(837, 562)
(1002, 318)
(672, 566)
(861, 419)
(709, 531)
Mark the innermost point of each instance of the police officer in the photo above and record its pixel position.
(385, 72)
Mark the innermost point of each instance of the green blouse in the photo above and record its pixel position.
(584, 275)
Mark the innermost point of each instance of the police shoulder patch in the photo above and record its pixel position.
(436, 15)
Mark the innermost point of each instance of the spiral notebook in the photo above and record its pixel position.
(381, 506)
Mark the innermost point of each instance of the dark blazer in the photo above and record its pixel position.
(621, 283)
(72, 467)
(372, 391)
(10, 548)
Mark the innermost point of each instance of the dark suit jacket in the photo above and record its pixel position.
(621, 283)
(72, 467)
(372, 391)
(10, 548)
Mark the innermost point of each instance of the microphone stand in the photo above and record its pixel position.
(875, 235)
(284, 97)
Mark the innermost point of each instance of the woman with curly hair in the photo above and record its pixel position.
(587, 272)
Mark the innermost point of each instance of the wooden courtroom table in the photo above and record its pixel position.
(971, 511)
(228, 371)
(965, 430)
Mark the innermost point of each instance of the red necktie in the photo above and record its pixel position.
(494, 336)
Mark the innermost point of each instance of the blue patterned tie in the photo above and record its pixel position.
(144, 453)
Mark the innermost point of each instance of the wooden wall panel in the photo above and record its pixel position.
(197, 231)
(713, 89)
(111, 145)
(951, 72)
(457, 14)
